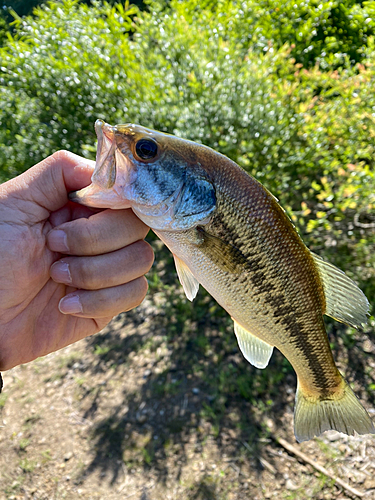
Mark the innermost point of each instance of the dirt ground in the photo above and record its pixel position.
(161, 405)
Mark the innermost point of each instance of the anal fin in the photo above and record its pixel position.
(189, 283)
(256, 351)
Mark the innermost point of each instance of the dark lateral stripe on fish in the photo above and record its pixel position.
(299, 338)
(300, 335)
(253, 261)
(226, 256)
(233, 236)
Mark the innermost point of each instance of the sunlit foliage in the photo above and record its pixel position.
(324, 32)
(235, 77)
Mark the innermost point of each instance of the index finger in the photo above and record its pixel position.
(103, 232)
(50, 181)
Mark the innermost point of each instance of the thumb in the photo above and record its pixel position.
(49, 182)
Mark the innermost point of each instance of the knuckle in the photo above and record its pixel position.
(82, 275)
(88, 234)
(61, 154)
(83, 238)
(142, 288)
(136, 294)
(3, 364)
(143, 229)
(145, 254)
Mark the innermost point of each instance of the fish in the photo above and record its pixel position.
(229, 234)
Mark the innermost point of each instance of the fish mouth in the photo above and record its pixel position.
(102, 192)
(96, 197)
(105, 168)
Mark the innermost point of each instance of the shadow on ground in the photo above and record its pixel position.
(194, 385)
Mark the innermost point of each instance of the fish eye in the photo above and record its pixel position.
(146, 149)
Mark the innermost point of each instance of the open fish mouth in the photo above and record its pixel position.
(101, 193)
(105, 169)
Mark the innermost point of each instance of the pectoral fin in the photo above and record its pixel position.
(256, 351)
(187, 280)
(225, 255)
(345, 302)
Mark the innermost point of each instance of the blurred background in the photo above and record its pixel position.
(161, 404)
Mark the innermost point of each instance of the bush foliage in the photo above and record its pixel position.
(285, 89)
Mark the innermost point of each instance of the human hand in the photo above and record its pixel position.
(65, 269)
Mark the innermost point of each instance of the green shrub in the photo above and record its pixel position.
(57, 80)
(197, 70)
(22, 7)
(4, 28)
(324, 32)
(319, 31)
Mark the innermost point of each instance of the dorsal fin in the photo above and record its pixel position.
(256, 351)
(345, 302)
(187, 280)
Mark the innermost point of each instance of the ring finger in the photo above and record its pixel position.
(104, 271)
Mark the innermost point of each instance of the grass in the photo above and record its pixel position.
(329, 451)
(79, 472)
(15, 486)
(80, 380)
(23, 444)
(46, 456)
(204, 489)
(68, 360)
(140, 450)
(320, 486)
(27, 465)
(3, 399)
(58, 375)
(101, 350)
(164, 388)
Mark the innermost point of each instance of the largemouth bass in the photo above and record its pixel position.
(229, 234)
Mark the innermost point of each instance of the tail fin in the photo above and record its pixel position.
(343, 413)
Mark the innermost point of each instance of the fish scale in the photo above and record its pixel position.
(228, 233)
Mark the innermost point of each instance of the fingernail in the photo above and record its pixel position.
(70, 305)
(57, 241)
(60, 272)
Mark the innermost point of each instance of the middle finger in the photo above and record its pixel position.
(103, 232)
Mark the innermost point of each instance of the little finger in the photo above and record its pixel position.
(107, 302)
